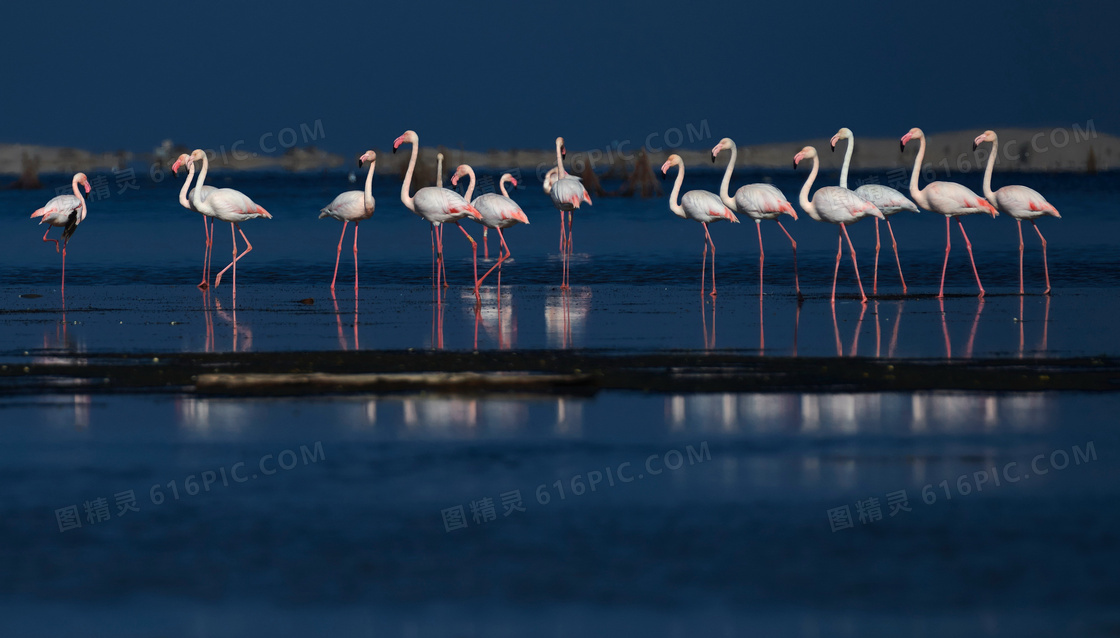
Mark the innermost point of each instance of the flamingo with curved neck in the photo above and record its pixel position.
(437, 206)
(837, 206)
(352, 206)
(65, 212)
(700, 206)
(498, 212)
(207, 228)
(949, 199)
(886, 199)
(1019, 202)
(567, 194)
(228, 205)
(759, 202)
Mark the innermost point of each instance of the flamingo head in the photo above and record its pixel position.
(407, 136)
(549, 179)
(80, 178)
(725, 143)
(461, 171)
(842, 134)
(560, 147)
(506, 177)
(183, 159)
(807, 152)
(912, 134)
(197, 155)
(986, 136)
(368, 156)
(674, 160)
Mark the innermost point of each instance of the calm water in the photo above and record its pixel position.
(354, 538)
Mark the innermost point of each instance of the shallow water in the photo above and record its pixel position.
(736, 538)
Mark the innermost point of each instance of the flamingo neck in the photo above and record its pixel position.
(673, 204)
(560, 172)
(183, 201)
(502, 184)
(919, 197)
(196, 199)
(847, 160)
(470, 184)
(439, 172)
(726, 184)
(406, 199)
(78, 194)
(369, 186)
(988, 194)
(803, 199)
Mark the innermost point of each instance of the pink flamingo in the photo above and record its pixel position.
(497, 211)
(949, 199)
(227, 205)
(700, 206)
(759, 202)
(1018, 201)
(437, 206)
(567, 193)
(185, 202)
(65, 212)
(352, 206)
(886, 199)
(837, 206)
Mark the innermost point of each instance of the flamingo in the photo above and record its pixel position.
(352, 206)
(567, 193)
(227, 205)
(497, 211)
(1018, 201)
(886, 199)
(949, 199)
(66, 212)
(437, 205)
(701, 206)
(759, 202)
(837, 206)
(185, 202)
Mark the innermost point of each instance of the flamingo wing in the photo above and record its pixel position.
(57, 211)
(347, 207)
(206, 191)
(233, 205)
(435, 203)
(498, 211)
(886, 199)
(763, 199)
(1023, 202)
(704, 206)
(568, 193)
(842, 206)
(950, 198)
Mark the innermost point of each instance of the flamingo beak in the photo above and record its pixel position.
(86, 184)
(360, 160)
(976, 142)
(514, 182)
(902, 143)
(835, 138)
(796, 160)
(175, 166)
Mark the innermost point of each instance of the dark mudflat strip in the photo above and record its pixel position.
(543, 371)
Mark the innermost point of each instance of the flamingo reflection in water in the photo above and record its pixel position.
(893, 345)
(342, 342)
(855, 336)
(242, 335)
(496, 315)
(1042, 347)
(971, 334)
(566, 315)
(762, 325)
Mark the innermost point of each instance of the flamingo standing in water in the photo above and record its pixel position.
(352, 206)
(185, 202)
(949, 199)
(227, 205)
(65, 212)
(837, 206)
(497, 212)
(437, 206)
(886, 199)
(1018, 201)
(702, 206)
(759, 202)
(567, 194)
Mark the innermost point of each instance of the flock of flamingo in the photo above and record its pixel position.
(441, 206)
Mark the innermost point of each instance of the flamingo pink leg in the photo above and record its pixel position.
(501, 258)
(703, 272)
(761, 257)
(1019, 223)
(563, 238)
(875, 272)
(796, 282)
(474, 247)
(486, 245)
(1045, 266)
(236, 257)
(709, 237)
(896, 259)
(338, 254)
(64, 268)
(571, 246)
(433, 233)
(206, 254)
(944, 266)
(854, 264)
(836, 270)
(355, 260)
(968, 246)
(50, 240)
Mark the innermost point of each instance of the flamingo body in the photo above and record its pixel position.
(706, 207)
(498, 211)
(350, 206)
(762, 202)
(64, 211)
(888, 200)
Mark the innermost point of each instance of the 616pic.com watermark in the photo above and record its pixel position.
(483, 510)
(869, 510)
(97, 511)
